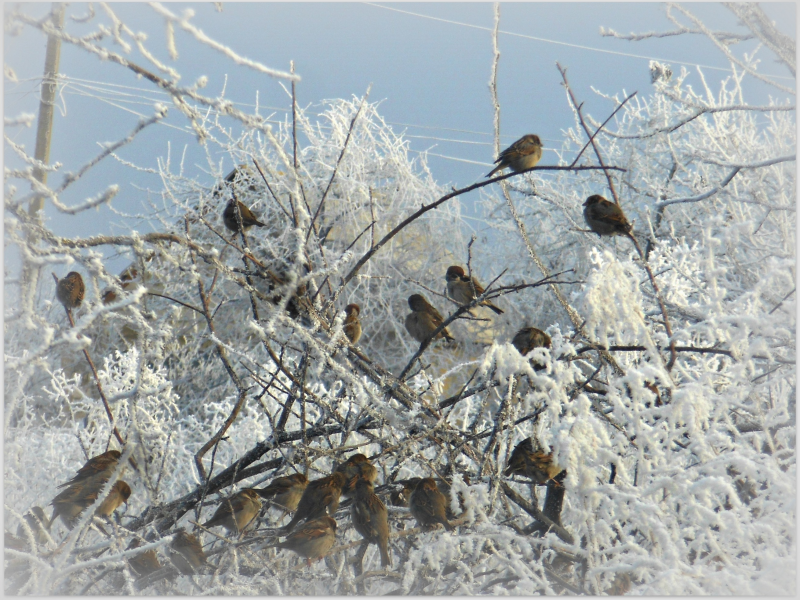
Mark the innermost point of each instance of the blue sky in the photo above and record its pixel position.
(429, 66)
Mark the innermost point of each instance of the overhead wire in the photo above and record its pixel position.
(557, 42)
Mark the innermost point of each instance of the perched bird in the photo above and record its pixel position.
(70, 503)
(285, 491)
(424, 319)
(102, 464)
(428, 505)
(460, 289)
(247, 216)
(119, 494)
(320, 497)
(604, 217)
(236, 512)
(370, 519)
(352, 326)
(532, 462)
(313, 539)
(145, 562)
(70, 290)
(521, 155)
(37, 522)
(188, 556)
(402, 497)
(354, 468)
(82, 490)
(528, 338)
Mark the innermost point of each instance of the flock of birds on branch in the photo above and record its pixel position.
(311, 532)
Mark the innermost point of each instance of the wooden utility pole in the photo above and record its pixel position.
(44, 126)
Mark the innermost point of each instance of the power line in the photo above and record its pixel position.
(547, 41)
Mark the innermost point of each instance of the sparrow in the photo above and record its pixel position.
(424, 319)
(370, 519)
(402, 497)
(320, 497)
(70, 503)
(248, 218)
(528, 338)
(533, 463)
(119, 494)
(428, 505)
(354, 468)
(70, 290)
(36, 520)
(521, 155)
(285, 491)
(102, 464)
(188, 556)
(313, 539)
(145, 562)
(604, 217)
(460, 289)
(352, 326)
(236, 513)
(126, 280)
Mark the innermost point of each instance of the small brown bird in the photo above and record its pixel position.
(247, 216)
(285, 491)
(313, 539)
(188, 556)
(460, 289)
(352, 326)
(428, 505)
(236, 513)
(320, 497)
(402, 497)
(102, 464)
(36, 520)
(528, 338)
(70, 290)
(532, 462)
(604, 217)
(145, 562)
(424, 319)
(370, 519)
(70, 503)
(521, 155)
(119, 494)
(356, 467)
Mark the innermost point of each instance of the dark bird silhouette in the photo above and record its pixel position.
(247, 216)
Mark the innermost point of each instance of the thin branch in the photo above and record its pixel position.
(338, 162)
